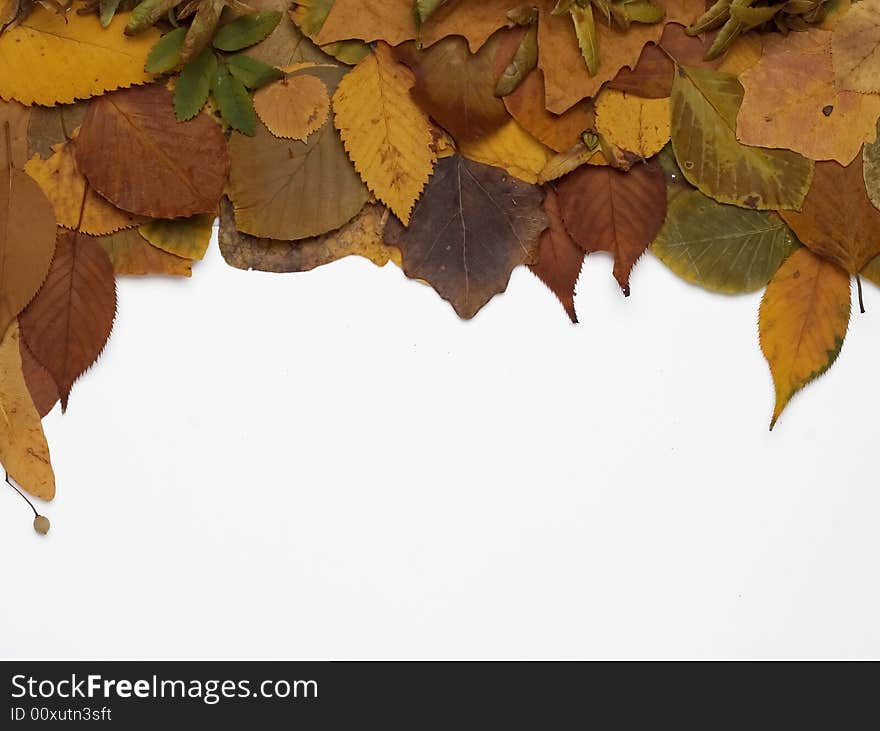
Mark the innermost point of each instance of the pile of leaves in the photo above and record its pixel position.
(458, 139)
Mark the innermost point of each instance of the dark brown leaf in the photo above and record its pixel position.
(40, 384)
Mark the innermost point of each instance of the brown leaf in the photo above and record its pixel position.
(392, 21)
(838, 221)
(69, 321)
(619, 212)
(455, 88)
(475, 21)
(472, 226)
(16, 116)
(39, 381)
(362, 236)
(135, 153)
(50, 126)
(132, 254)
(559, 259)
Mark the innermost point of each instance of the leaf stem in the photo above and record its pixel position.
(859, 287)
(23, 496)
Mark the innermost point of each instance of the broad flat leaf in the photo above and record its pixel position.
(132, 254)
(27, 241)
(17, 116)
(475, 21)
(560, 259)
(294, 107)
(856, 48)
(286, 44)
(802, 322)
(24, 452)
(63, 185)
(67, 324)
(838, 221)
(248, 30)
(608, 210)
(194, 85)
(135, 153)
(722, 248)
(165, 55)
(43, 391)
(704, 109)
(283, 189)
(633, 124)
(185, 237)
(251, 72)
(50, 126)
(745, 52)
(386, 135)
(362, 236)
(871, 164)
(392, 21)
(53, 57)
(871, 272)
(235, 104)
(455, 88)
(511, 148)
(791, 101)
(472, 226)
(310, 15)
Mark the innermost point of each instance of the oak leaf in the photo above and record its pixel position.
(187, 238)
(838, 221)
(52, 57)
(856, 48)
(67, 324)
(560, 259)
(705, 104)
(293, 107)
(362, 236)
(802, 322)
(605, 209)
(472, 226)
(386, 135)
(791, 102)
(284, 189)
(135, 153)
(24, 452)
(130, 253)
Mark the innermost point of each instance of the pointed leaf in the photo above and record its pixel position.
(234, 102)
(165, 55)
(252, 73)
(194, 85)
(245, 31)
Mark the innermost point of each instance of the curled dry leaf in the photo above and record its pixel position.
(605, 209)
(52, 57)
(24, 452)
(791, 102)
(472, 226)
(802, 322)
(294, 107)
(386, 135)
(131, 253)
(135, 153)
(68, 323)
(362, 236)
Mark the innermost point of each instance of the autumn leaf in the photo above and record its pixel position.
(233, 100)
(184, 237)
(560, 259)
(704, 109)
(474, 21)
(135, 153)
(619, 212)
(294, 107)
(633, 124)
(63, 185)
(362, 236)
(75, 57)
(194, 85)
(131, 254)
(472, 226)
(510, 148)
(856, 48)
(283, 189)
(247, 30)
(392, 21)
(838, 221)
(791, 102)
(286, 44)
(43, 391)
(802, 322)
(51, 126)
(722, 248)
(24, 452)
(871, 165)
(67, 324)
(309, 16)
(15, 117)
(386, 135)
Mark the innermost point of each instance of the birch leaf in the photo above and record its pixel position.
(633, 124)
(294, 107)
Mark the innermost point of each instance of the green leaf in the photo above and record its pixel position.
(722, 248)
(246, 31)
(236, 105)
(166, 53)
(108, 10)
(251, 72)
(704, 108)
(194, 85)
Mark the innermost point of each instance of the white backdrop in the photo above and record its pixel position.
(331, 464)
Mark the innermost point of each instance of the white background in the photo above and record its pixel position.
(332, 465)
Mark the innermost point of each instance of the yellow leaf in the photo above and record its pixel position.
(387, 136)
(743, 54)
(24, 452)
(294, 107)
(511, 148)
(802, 322)
(633, 124)
(184, 237)
(65, 187)
(52, 58)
